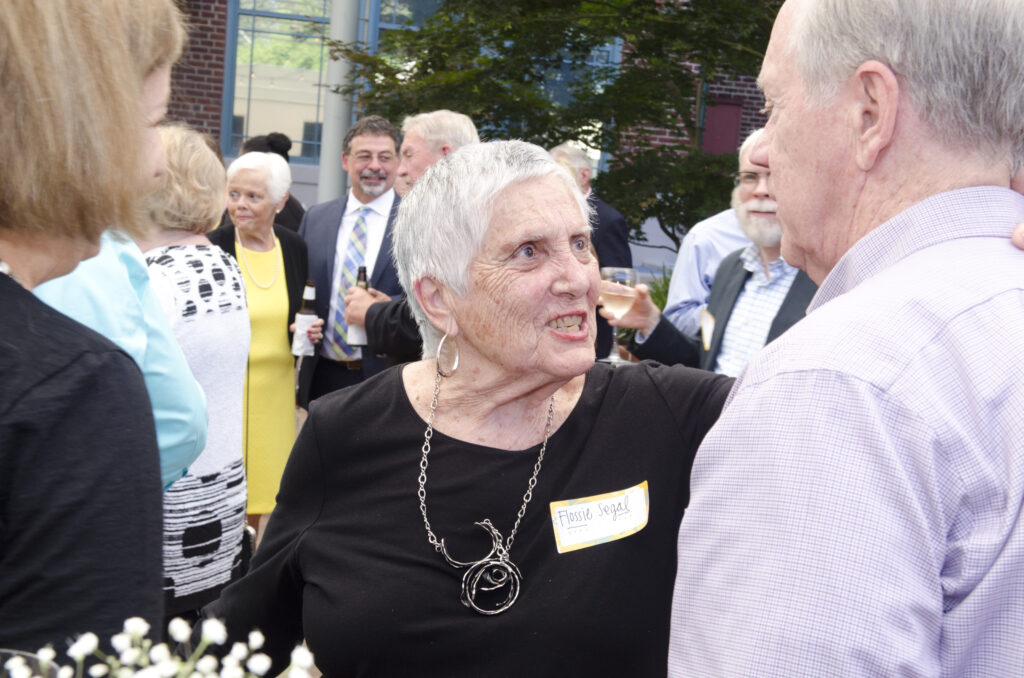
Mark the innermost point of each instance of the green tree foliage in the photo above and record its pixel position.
(508, 64)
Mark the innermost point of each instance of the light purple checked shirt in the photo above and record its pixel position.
(857, 509)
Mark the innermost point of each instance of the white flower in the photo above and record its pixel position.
(196, 674)
(136, 626)
(255, 640)
(297, 672)
(84, 646)
(159, 653)
(148, 672)
(302, 657)
(214, 631)
(239, 651)
(65, 672)
(123, 672)
(232, 672)
(46, 654)
(131, 656)
(167, 668)
(230, 660)
(259, 664)
(207, 664)
(14, 662)
(121, 642)
(20, 671)
(179, 630)
(99, 670)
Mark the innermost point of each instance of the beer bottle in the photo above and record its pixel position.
(304, 319)
(357, 333)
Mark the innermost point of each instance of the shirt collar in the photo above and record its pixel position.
(380, 205)
(975, 212)
(754, 262)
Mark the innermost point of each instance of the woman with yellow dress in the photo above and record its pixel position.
(273, 263)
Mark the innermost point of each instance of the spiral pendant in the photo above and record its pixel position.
(495, 574)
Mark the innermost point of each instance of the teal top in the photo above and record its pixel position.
(111, 293)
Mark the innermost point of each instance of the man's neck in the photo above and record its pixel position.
(769, 255)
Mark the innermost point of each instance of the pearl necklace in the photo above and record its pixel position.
(248, 271)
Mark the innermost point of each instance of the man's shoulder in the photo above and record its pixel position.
(322, 209)
(723, 221)
(901, 315)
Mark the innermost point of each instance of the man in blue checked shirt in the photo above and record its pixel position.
(857, 510)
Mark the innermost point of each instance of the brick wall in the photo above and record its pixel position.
(197, 81)
(741, 87)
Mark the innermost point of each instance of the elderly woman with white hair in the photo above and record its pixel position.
(274, 265)
(504, 507)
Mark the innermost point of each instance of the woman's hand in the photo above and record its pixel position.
(316, 331)
(643, 315)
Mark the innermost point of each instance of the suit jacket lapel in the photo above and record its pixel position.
(383, 262)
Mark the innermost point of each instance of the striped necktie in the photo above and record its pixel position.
(336, 338)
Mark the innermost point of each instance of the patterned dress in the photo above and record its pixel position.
(202, 293)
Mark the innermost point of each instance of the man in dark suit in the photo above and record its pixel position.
(609, 232)
(756, 295)
(342, 235)
(390, 327)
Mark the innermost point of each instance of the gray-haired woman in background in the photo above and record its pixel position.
(201, 291)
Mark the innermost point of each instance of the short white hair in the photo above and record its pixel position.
(274, 168)
(576, 156)
(442, 222)
(961, 61)
(442, 127)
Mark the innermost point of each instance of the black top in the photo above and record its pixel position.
(391, 330)
(346, 564)
(80, 496)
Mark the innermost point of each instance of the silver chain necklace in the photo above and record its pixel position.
(495, 571)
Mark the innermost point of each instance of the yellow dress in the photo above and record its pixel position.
(268, 406)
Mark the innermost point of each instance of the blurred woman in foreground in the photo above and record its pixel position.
(202, 294)
(80, 517)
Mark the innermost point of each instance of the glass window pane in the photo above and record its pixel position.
(315, 8)
(278, 77)
(405, 12)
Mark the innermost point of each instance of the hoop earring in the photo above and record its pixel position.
(455, 362)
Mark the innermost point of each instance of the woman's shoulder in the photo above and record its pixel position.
(682, 388)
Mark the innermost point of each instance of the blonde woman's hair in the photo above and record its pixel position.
(70, 103)
(190, 195)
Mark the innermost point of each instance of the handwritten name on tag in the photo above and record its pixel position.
(589, 521)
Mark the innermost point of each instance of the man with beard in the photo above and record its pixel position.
(343, 235)
(756, 296)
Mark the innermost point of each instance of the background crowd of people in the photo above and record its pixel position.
(472, 494)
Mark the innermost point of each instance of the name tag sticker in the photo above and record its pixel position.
(589, 521)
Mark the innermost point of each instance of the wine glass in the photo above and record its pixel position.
(617, 295)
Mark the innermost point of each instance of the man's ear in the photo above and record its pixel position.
(433, 299)
(446, 149)
(876, 103)
(585, 176)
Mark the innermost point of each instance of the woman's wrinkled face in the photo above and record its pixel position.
(534, 286)
(249, 205)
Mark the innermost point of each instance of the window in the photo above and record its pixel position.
(279, 68)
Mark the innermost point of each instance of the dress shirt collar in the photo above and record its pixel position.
(754, 262)
(381, 205)
(979, 211)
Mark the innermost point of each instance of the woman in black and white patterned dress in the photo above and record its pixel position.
(202, 293)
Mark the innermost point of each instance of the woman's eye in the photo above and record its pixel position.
(580, 244)
(528, 251)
